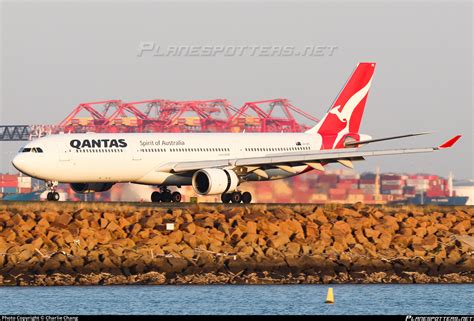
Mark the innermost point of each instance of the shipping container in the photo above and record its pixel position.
(8, 190)
(8, 184)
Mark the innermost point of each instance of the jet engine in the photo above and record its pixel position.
(214, 181)
(85, 188)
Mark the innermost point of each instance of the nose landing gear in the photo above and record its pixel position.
(52, 194)
(236, 197)
(166, 196)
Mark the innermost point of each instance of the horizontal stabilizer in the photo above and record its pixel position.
(362, 142)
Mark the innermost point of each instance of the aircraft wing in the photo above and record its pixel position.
(310, 158)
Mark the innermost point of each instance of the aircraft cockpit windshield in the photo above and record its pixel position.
(31, 150)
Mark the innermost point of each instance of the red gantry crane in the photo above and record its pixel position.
(161, 115)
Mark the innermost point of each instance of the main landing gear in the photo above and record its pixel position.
(52, 194)
(236, 197)
(166, 196)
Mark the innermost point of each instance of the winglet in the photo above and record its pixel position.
(450, 142)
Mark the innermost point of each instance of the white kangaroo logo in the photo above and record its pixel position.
(345, 114)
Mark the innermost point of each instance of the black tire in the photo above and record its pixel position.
(48, 196)
(236, 197)
(246, 197)
(155, 197)
(166, 196)
(225, 198)
(176, 197)
(55, 196)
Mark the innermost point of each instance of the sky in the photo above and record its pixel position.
(57, 54)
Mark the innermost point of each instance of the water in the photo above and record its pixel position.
(239, 299)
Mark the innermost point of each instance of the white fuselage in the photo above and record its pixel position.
(138, 157)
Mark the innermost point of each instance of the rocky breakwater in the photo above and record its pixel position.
(91, 243)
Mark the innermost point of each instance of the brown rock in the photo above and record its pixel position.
(252, 227)
(293, 248)
(340, 229)
(42, 225)
(37, 242)
(402, 240)
(361, 239)
(4, 217)
(431, 229)
(103, 236)
(250, 238)
(49, 216)
(63, 219)
(383, 242)
(377, 214)
(420, 231)
(9, 235)
(418, 250)
(374, 234)
(430, 242)
(318, 216)
(103, 222)
(339, 246)
(189, 227)
(461, 227)
(390, 223)
(188, 253)
(175, 237)
(348, 212)
(268, 228)
(123, 222)
(245, 251)
(312, 230)
(277, 241)
(410, 222)
(17, 220)
(28, 225)
(283, 213)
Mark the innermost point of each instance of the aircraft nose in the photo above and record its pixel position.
(19, 162)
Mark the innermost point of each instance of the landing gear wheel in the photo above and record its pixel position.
(225, 198)
(52, 196)
(166, 196)
(246, 197)
(236, 197)
(156, 197)
(176, 197)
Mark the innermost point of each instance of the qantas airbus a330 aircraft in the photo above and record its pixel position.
(213, 163)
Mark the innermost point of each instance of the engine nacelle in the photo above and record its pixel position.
(214, 181)
(85, 188)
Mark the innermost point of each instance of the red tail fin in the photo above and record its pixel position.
(345, 115)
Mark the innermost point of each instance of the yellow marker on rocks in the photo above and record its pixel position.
(330, 296)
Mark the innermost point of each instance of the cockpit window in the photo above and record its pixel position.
(31, 150)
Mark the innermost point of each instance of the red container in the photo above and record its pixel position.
(337, 197)
(8, 177)
(355, 191)
(9, 183)
(332, 179)
(337, 191)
